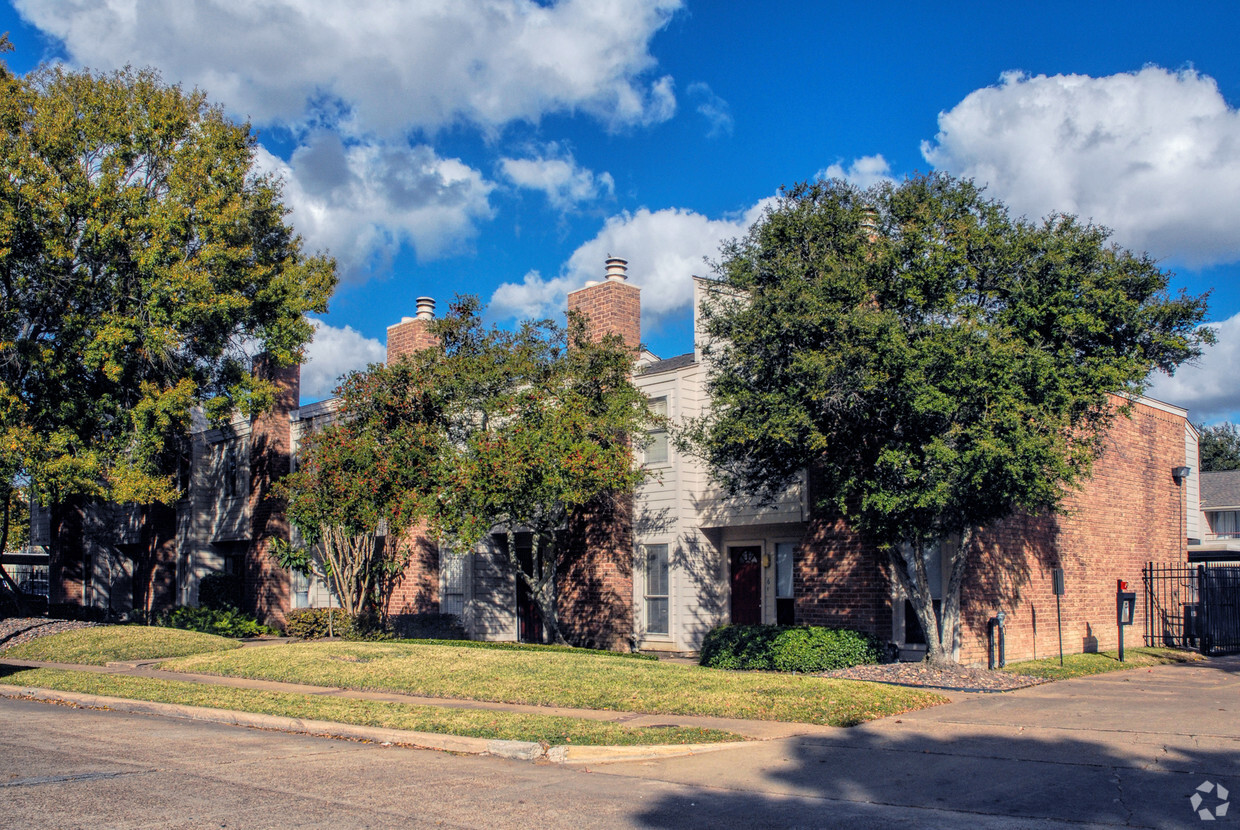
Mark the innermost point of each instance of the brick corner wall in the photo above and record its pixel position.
(594, 580)
(266, 584)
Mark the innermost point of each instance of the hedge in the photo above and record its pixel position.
(803, 648)
(226, 622)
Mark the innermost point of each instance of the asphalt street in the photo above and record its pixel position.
(1125, 749)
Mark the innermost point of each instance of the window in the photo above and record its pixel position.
(656, 448)
(452, 583)
(230, 471)
(783, 583)
(656, 589)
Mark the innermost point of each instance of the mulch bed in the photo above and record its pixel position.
(17, 630)
(951, 678)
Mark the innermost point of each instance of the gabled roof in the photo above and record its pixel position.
(1220, 490)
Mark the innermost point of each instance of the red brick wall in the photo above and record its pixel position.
(594, 584)
(66, 566)
(594, 580)
(266, 587)
(407, 337)
(1129, 512)
(416, 590)
(840, 580)
(610, 307)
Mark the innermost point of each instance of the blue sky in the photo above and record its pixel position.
(505, 148)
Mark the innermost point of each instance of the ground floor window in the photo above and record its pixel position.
(656, 589)
(452, 583)
(784, 614)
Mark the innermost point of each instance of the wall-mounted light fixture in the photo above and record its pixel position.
(1180, 473)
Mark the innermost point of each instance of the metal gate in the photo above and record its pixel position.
(1219, 591)
(1192, 606)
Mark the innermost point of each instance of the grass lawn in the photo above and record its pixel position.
(1080, 665)
(103, 644)
(474, 723)
(553, 678)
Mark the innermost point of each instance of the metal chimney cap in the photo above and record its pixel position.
(616, 269)
(426, 308)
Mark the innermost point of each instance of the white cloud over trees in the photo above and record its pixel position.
(1154, 155)
(389, 67)
(1208, 388)
(333, 353)
(664, 248)
(363, 201)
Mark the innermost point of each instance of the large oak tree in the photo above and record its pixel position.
(937, 362)
(144, 259)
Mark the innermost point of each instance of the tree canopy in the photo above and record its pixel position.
(144, 260)
(487, 431)
(1219, 447)
(938, 363)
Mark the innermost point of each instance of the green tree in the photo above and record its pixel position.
(488, 431)
(143, 259)
(1219, 447)
(936, 363)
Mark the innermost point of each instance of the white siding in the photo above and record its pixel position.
(1194, 527)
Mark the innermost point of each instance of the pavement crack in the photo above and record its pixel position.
(74, 776)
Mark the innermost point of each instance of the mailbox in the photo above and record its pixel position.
(1125, 607)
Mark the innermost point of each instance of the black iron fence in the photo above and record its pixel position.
(1192, 606)
(1219, 624)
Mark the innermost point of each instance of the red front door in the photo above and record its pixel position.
(746, 562)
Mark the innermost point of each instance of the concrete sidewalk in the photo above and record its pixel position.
(1129, 748)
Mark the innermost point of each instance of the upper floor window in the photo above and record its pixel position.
(656, 448)
(231, 471)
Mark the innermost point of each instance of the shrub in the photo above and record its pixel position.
(226, 622)
(220, 591)
(429, 626)
(805, 648)
(313, 623)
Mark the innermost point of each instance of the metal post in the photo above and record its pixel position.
(1059, 620)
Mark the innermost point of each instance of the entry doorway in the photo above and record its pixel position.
(746, 581)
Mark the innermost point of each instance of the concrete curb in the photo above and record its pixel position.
(515, 750)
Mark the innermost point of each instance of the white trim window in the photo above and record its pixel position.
(657, 599)
(656, 447)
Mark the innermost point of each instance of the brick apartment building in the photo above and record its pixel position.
(660, 570)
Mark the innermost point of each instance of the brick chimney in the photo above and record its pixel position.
(411, 334)
(612, 306)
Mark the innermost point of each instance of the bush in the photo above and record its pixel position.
(428, 626)
(226, 622)
(312, 624)
(220, 591)
(70, 611)
(804, 648)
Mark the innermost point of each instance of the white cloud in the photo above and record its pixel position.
(714, 109)
(1154, 155)
(393, 65)
(863, 172)
(333, 353)
(363, 201)
(1208, 389)
(664, 248)
(558, 175)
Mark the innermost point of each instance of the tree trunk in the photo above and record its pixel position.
(942, 630)
(917, 589)
(545, 593)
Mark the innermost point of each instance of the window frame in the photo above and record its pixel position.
(648, 597)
